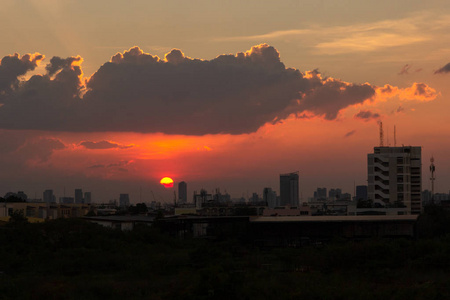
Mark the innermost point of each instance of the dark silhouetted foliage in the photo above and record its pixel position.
(75, 259)
(139, 208)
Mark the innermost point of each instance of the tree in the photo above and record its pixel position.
(140, 208)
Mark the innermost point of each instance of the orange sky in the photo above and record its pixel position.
(376, 60)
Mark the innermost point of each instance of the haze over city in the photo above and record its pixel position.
(110, 96)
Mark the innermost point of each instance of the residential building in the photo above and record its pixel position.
(320, 194)
(334, 194)
(395, 177)
(49, 197)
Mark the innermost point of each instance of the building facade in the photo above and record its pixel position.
(289, 189)
(78, 196)
(395, 177)
(48, 196)
(182, 192)
(87, 197)
(361, 192)
(124, 200)
(270, 197)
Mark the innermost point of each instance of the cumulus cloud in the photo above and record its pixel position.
(103, 145)
(329, 96)
(418, 91)
(367, 115)
(139, 92)
(444, 69)
(13, 66)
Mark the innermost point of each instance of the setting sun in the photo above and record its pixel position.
(167, 182)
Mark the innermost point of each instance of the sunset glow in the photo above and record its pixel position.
(220, 96)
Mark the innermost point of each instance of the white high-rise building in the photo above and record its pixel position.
(395, 177)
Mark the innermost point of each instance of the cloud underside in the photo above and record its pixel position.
(367, 115)
(139, 92)
(444, 69)
(102, 145)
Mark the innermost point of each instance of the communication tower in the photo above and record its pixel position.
(432, 178)
(381, 135)
(395, 137)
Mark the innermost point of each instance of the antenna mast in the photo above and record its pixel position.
(432, 169)
(395, 137)
(381, 134)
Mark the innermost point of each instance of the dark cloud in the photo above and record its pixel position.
(140, 92)
(404, 69)
(13, 66)
(350, 133)
(40, 149)
(102, 145)
(96, 167)
(421, 89)
(367, 115)
(57, 64)
(328, 97)
(122, 163)
(11, 141)
(444, 69)
(387, 89)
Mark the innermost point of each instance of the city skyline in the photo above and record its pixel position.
(222, 96)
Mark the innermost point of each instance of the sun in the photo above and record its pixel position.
(167, 182)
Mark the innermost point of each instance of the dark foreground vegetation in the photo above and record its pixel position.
(74, 259)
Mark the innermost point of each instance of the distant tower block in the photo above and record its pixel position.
(289, 193)
(124, 200)
(432, 178)
(87, 197)
(78, 196)
(182, 192)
